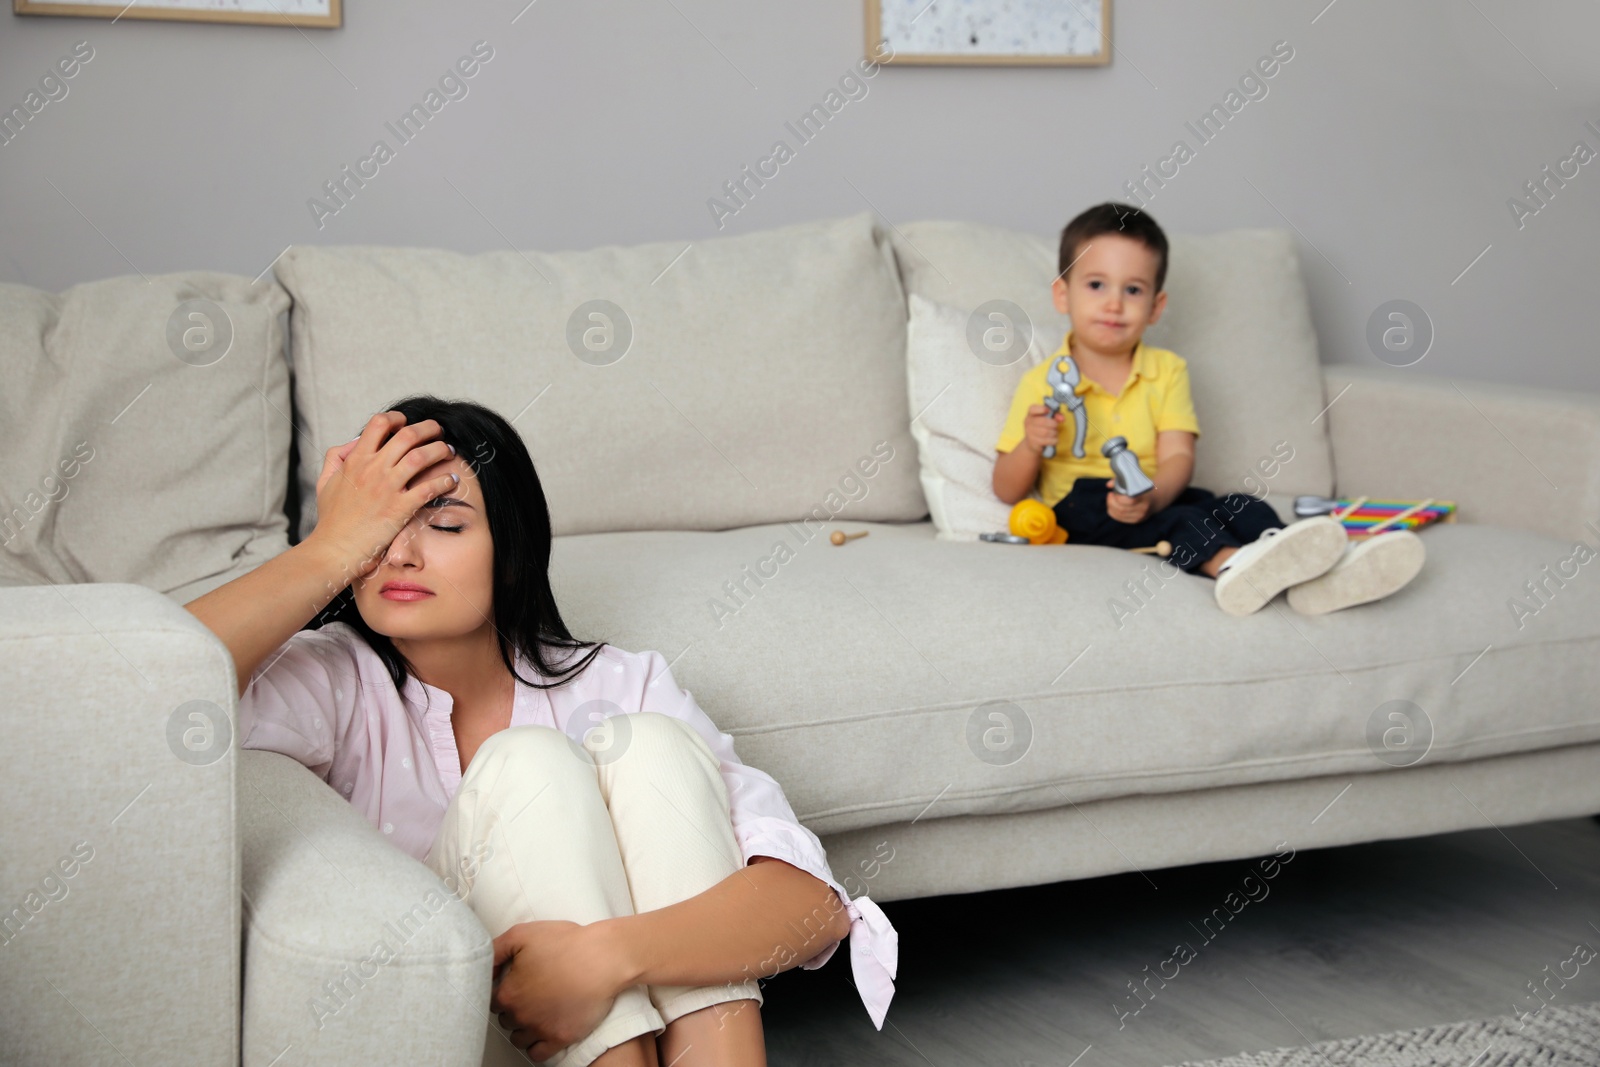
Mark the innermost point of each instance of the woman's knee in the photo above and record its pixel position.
(604, 742)
(641, 732)
(663, 729)
(517, 765)
(525, 745)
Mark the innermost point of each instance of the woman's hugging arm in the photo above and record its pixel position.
(782, 909)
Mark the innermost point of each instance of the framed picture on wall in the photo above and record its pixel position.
(990, 32)
(323, 14)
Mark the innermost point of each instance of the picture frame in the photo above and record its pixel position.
(316, 14)
(1070, 33)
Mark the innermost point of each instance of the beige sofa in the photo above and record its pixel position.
(949, 715)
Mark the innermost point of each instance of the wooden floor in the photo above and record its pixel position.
(1346, 941)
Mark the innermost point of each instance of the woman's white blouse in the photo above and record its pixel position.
(326, 699)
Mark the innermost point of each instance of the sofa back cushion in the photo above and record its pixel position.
(1237, 311)
(145, 426)
(675, 385)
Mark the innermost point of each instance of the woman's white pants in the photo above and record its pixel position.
(634, 819)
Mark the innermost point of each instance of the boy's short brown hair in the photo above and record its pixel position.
(1112, 217)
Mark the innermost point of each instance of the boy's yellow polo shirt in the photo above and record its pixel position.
(1153, 399)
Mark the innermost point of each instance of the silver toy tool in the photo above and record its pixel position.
(1130, 478)
(1307, 506)
(1004, 538)
(1063, 380)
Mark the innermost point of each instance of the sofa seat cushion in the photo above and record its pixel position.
(857, 675)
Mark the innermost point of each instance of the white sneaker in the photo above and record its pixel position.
(1370, 570)
(1277, 559)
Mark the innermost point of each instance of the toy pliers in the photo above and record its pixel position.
(1063, 380)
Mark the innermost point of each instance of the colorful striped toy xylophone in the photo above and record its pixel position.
(1363, 517)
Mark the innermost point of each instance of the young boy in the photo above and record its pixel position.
(1113, 263)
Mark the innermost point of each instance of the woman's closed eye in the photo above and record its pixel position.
(447, 529)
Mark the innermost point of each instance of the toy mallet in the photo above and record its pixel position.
(1130, 478)
(839, 537)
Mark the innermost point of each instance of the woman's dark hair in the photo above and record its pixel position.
(526, 618)
(1112, 217)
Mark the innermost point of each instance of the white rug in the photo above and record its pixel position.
(1556, 1037)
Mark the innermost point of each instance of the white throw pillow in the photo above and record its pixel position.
(958, 406)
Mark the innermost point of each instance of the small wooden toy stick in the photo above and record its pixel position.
(839, 537)
(1160, 548)
(1392, 519)
(1340, 514)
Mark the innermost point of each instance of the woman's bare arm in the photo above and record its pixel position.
(363, 501)
(257, 612)
(765, 918)
(555, 980)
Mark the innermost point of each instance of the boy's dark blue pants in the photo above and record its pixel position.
(1198, 522)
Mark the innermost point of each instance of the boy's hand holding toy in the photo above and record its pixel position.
(1042, 429)
(1128, 509)
(1131, 496)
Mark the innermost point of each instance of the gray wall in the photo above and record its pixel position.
(1391, 142)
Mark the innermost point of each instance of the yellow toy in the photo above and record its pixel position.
(1034, 520)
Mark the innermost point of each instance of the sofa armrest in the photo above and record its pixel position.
(354, 951)
(1507, 455)
(119, 860)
